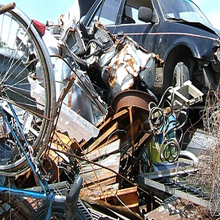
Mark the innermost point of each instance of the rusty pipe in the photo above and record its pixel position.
(7, 7)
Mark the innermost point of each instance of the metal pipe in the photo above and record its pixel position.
(7, 7)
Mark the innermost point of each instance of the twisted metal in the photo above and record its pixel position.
(208, 176)
(163, 121)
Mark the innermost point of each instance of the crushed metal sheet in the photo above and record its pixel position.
(130, 62)
(77, 126)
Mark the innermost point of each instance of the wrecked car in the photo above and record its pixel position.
(104, 67)
(106, 125)
(176, 30)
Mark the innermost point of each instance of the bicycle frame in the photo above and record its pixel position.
(46, 194)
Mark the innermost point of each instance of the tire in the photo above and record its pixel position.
(27, 88)
(186, 67)
(57, 212)
(179, 69)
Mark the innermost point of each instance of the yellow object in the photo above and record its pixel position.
(155, 156)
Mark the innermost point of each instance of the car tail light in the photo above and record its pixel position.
(41, 28)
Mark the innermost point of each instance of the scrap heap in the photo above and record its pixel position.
(112, 130)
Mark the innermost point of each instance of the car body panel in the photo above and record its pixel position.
(162, 36)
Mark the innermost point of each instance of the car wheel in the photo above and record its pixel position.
(181, 74)
(177, 71)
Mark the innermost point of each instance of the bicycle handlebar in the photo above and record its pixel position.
(7, 7)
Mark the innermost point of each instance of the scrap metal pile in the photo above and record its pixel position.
(112, 129)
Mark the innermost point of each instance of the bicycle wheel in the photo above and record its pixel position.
(27, 92)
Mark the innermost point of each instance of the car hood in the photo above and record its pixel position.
(201, 26)
(217, 31)
(208, 28)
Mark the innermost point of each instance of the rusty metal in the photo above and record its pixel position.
(109, 159)
(7, 7)
(132, 136)
(129, 63)
(98, 164)
(85, 86)
(134, 98)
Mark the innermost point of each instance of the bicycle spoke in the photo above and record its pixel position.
(27, 92)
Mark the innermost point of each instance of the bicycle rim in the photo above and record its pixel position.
(27, 97)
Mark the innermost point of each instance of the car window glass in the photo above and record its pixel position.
(108, 14)
(183, 9)
(130, 14)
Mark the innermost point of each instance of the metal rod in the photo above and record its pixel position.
(132, 136)
(7, 7)
(24, 193)
(23, 150)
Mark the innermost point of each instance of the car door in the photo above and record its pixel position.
(120, 17)
(128, 24)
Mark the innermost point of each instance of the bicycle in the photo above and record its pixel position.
(27, 111)
(25, 68)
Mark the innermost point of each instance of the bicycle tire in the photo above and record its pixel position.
(27, 85)
(57, 212)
